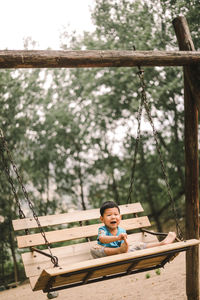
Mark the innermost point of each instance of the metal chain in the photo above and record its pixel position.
(147, 108)
(7, 171)
(139, 116)
(4, 148)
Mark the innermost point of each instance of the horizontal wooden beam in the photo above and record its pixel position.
(95, 58)
(72, 217)
(74, 233)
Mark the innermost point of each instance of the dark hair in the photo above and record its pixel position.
(108, 204)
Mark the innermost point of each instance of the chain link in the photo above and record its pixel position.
(7, 171)
(147, 109)
(3, 149)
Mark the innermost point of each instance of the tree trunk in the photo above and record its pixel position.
(81, 186)
(2, 263)
(114, 188)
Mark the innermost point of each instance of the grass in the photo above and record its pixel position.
(147, 275)
(158, 272)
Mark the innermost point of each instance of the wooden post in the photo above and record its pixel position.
(191, 165)
(95, 58)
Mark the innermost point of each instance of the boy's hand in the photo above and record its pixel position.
(122, 236)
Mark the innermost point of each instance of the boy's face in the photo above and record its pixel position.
(111, 217)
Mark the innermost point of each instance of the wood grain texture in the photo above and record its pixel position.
(76, 233)
(75, 216)
(185, 42)
(34, 262)
(94, 58)
(66, 275)
(191, 103)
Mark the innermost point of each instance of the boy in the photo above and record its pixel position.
(112, 239)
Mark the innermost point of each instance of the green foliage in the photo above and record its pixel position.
(158, 272)
(147, 276)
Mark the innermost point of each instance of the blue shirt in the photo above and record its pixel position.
(105, 231)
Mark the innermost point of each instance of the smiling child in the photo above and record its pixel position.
(112, 239)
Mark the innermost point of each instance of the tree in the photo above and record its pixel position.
(17, 92)
(117, 24)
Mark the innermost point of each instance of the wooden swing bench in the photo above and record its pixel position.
(75, 264)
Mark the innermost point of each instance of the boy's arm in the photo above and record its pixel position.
(105, 239)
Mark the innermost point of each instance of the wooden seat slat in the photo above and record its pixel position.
(62, 280)
(75, 216)
(79, 270)
(76, 233)
(124, 267)
(33, 281)
(121, 257)
(109, 270)
(35, 262)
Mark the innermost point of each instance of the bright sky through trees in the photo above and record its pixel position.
(42, 20)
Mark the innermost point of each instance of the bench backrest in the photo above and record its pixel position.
(73, 233)
(72, 227)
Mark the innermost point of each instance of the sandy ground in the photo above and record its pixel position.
(170, 284)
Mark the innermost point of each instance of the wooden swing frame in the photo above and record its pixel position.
(189, 59)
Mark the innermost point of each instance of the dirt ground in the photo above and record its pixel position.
(170, 284)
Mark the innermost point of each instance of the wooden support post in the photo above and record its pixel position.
(191, 164)
(192, 73)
